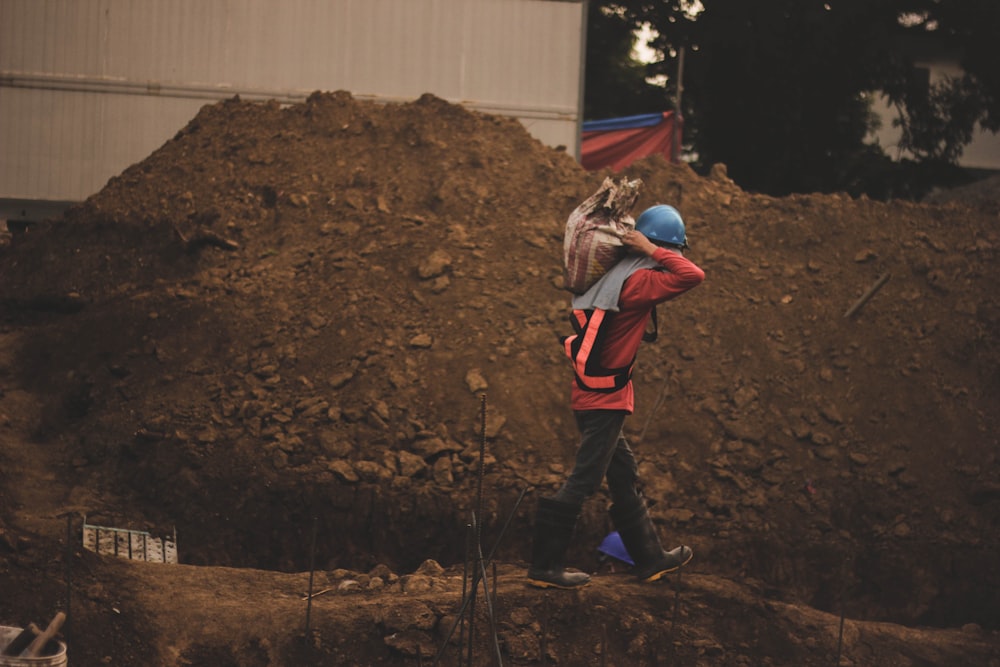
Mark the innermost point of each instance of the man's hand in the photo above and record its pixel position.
(638, 243)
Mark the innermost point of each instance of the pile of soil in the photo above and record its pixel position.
(326, 334)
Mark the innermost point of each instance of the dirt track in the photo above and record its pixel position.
(289, 313)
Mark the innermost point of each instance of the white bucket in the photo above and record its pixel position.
(55, 648)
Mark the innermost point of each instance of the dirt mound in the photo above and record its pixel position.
(983, 194)
(297, 314)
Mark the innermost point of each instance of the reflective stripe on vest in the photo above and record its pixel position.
(590, 375)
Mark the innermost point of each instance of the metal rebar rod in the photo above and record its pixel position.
(312, 569)
(490, 614)
(840, 634)
(506, 524)
(465, 591)
(482, 459)
(69, 575)
(466, 599)
(477, 523)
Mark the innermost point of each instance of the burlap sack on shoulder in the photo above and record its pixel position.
(592, 242)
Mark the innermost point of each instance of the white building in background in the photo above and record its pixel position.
(90, 87)
(984, 151)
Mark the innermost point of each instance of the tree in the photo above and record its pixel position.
(615, 83)
(780, 90)
(938, 118)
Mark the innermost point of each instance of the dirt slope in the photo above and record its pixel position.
(296, 316)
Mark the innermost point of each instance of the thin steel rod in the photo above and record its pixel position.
(312, 569)
(840, 634)
(866, 297)
(506, 524)
(467, 599)
(477, 522)
(465, 589)
(69, 577)
(490, 615)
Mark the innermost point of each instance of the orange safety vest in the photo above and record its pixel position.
(583, 350)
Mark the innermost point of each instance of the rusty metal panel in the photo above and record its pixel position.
(89, 87)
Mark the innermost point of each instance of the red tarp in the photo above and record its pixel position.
(618, 142)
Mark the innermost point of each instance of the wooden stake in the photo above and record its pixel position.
(882, 280)
(43, 639)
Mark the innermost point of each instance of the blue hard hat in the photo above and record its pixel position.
(613, 546)
(662, 224)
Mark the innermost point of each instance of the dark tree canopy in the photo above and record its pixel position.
(615, 83)
(780, 90)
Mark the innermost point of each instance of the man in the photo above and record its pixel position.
(611, 320)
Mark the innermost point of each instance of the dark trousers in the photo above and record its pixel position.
(603, 454)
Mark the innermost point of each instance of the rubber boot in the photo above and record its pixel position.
(554, 525)
(633, 523)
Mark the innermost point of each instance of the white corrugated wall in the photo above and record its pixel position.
(89, 87)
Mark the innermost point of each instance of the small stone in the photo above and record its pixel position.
(744, 396)
(831, 414)
(440, 284)
(821, 439)
(348, 585)
(431, 568)
(334, 446)
(411, 465)
(381, 408)
(428, 447)
(416, 583)
(475, 381)
(343, 470)
(421, 341)
(434, 265)
(442, 471)
(340, 379)
(827, 453)
(207, 435)
(370, 471)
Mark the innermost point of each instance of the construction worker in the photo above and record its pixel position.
(611, 320)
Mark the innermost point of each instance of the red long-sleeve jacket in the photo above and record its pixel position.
(642, 291)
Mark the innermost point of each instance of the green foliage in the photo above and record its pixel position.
(615, 83)
(780, 90)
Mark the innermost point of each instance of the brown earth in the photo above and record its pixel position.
(296, 318)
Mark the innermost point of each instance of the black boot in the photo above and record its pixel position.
(554, 524)
(638, 534)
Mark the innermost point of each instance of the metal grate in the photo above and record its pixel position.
(131, 544)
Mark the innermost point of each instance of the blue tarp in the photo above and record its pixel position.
(618, 142)
(623, 123)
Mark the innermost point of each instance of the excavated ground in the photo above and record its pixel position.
(298, 318)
